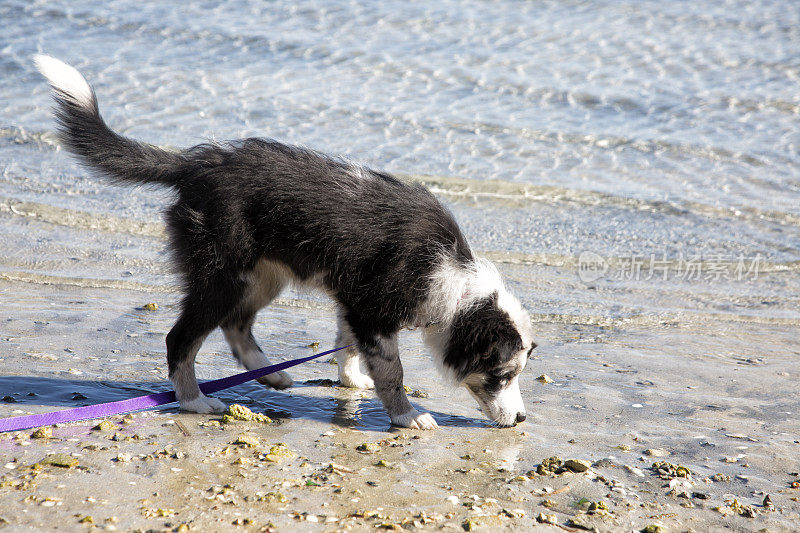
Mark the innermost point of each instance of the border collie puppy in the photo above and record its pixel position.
(254, 215)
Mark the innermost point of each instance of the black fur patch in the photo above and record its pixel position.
(482, 338)
(374, 239)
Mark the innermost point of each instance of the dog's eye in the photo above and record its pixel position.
(504, 377)
(494, 382)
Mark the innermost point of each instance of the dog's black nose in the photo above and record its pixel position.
(520, 417)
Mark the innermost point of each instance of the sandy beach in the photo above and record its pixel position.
(329, 460)
(630, 166)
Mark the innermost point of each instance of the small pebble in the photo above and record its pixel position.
(545, 518)
(59, 459)
(577, 465)
(635, 471)
(43, 433)
(656, 452)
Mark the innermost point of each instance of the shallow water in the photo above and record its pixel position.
(631, 166)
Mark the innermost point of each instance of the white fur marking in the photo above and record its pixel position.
(522, 321)
(203, 404)
(455, 288)
(504, 407)
(415, 420)
(279, 380)
(507, 404)
(65, 79)
(350, 373)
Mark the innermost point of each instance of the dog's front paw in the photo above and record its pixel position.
(203, 404)
(415, 420)
(278, 380)
(357, 381)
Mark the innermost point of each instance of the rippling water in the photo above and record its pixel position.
(654, 145)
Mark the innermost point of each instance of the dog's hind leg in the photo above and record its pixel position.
(266, 282)
(239, 334)
(350, 373)
(202, 312)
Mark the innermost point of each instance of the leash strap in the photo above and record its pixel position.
(100, 410)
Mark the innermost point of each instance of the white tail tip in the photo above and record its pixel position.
(65, 79)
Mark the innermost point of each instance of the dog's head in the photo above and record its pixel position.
(485, 345)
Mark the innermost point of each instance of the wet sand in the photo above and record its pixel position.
(624, 163)
(618, 401)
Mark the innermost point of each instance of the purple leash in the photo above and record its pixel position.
(100, 410)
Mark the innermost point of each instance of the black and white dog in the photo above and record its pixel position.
(254, 215)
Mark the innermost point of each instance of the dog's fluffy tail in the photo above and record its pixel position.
(84, 133)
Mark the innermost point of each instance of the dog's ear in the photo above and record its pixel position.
(482, 337)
